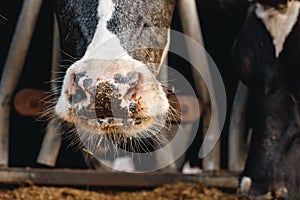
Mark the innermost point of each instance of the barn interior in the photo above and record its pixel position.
(220, 26)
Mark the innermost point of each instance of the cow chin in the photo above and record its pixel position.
(113, 97)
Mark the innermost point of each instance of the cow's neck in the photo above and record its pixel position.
(105, 44)
(125, 29)
(279, 24)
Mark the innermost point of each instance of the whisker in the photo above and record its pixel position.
(70, 56)
(3, 19)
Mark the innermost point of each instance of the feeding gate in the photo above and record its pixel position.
(212, 175)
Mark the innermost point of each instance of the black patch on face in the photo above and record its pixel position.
(128, 21)
(129, 78)
(77, 22)
(77, 97)
(78, 76)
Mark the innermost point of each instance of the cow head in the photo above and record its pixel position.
(112, 89)
(119, 96)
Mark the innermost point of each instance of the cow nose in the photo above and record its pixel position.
(77, 94)
(132, 80)
(109, 95)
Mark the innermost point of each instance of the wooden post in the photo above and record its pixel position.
(237, 147)
(13, 67)
(192, 28)
(52, 140)
(51, 145)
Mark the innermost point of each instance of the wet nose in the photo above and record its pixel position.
(108, 102)
(108, 98)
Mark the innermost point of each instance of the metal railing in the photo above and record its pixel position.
(52, 141)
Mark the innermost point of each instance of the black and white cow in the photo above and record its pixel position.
(112, 88)
(267, 56)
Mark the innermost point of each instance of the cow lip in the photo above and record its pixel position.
(110, 122)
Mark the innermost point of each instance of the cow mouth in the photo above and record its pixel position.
(125, 107)
(109, 124)
(111, 109)
(126, 122)
(136, 135)
(118, 135)
(130, 127)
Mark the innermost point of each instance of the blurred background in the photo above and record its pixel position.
(220, 23)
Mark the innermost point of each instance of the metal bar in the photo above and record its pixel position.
(163, 72)
(192, 28)
(13, 67)
(55, 53)
(79, 177)
(237, 147)
(51, 145)
(52, 140)
(186, 131)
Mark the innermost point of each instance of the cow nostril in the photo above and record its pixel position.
(75, 77)
(133, 108)
(131, 78)
(72, 84)
(77, 94)
(72, 79)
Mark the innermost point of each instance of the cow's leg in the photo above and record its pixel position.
(272, 164)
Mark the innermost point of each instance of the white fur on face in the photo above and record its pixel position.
(105, 45)
(279, 24)
(104, 58)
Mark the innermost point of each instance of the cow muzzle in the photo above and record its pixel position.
(112, 96)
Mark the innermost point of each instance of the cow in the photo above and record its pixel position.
(112, 90)
(266, 55)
